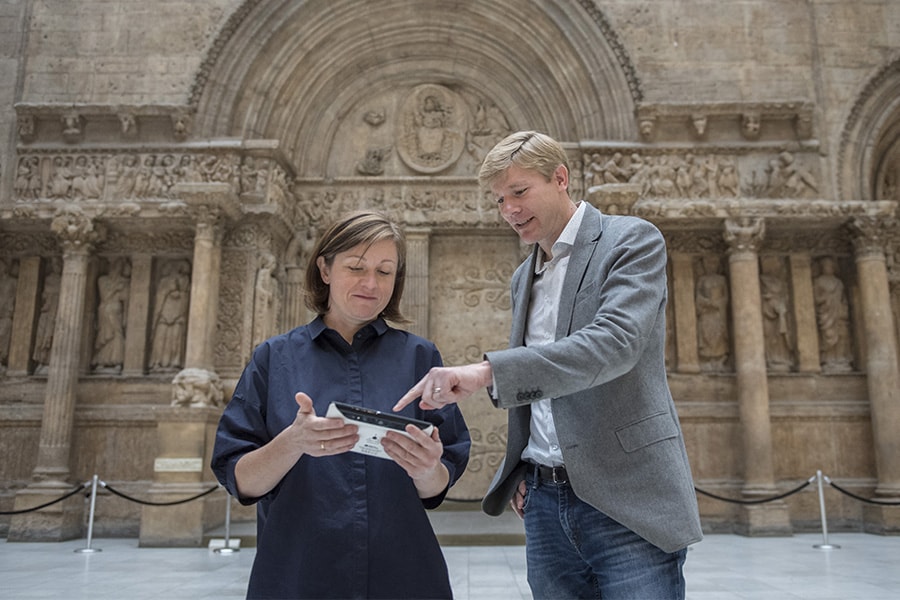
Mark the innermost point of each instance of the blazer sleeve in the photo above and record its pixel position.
(618, 303)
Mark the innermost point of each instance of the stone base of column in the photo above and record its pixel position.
(883, 520)
(771, 519)
(181, 470)
(55, 523)
(180, 525)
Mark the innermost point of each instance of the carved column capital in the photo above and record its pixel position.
(77, 232)
(868, 235)
(744, 234)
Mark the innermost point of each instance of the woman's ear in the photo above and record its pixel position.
(323, 269)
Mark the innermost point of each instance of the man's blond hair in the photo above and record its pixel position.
(529, 150)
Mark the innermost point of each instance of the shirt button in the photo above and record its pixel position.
(554, 447)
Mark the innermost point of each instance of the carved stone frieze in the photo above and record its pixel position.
(691, 174)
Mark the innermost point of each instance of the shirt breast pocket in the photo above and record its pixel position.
(647, 431)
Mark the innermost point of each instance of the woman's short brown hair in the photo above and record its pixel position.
(362, 227)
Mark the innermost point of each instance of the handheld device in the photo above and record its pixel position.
(373, 425)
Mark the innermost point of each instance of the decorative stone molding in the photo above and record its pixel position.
(101, 123)
(791, 119)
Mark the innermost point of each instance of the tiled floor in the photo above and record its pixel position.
(721, 567)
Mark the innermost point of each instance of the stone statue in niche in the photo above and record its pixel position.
(264, 299)
(9, 278)
(431, 128)
(776, 318)
(833, 318)
(711, 304)
(170, 316)
(43, 338)
(112, 309)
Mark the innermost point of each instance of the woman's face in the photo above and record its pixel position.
(361, 282)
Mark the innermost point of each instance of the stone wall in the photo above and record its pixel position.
(166, 167)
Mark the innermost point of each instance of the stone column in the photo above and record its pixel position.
(744, 236)
(805, 314)
(882, 375)
(185, 433)
(27, 298)
(687, 359)
(51, 476)
(416, 298)
(204, 290)
(137, 324)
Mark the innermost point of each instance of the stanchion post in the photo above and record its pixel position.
(824, 545)
(90, 532)
(227, 548)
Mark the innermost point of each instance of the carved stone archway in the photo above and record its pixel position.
(294, 70)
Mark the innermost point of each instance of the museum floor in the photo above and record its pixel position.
(721, 567)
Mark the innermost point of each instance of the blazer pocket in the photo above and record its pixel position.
(648, 430)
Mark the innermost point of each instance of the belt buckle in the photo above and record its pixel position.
(555, 479)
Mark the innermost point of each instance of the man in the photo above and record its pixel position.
(595, 459)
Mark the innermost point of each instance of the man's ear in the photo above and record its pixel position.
(561, 177)
(323, 269)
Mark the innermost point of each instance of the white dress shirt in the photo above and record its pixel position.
(543, 444)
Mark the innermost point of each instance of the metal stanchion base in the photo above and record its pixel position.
(88, 550)
(826, 546)
(226, 550)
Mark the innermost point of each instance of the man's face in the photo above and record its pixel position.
(535, 208)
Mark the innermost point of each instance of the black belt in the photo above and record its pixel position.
(554, 474)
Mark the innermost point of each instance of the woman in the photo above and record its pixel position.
(334, 523)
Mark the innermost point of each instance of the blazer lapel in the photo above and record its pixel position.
(522, 294)
(585, 244)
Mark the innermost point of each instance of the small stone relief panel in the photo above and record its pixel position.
(427, 129)
(832, 316)
(48, 305)
(9, 278)
(168, 327)
(711, 303)
(470, 314)
(431, 128)
(776, 312)
(113, 288)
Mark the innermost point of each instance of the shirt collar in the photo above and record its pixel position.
(563, 245)
(317, 326)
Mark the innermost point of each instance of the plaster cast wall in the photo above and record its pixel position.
(128, 53)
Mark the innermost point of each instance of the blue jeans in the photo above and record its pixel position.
(575, 551)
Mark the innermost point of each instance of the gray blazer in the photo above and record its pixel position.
(618, 429)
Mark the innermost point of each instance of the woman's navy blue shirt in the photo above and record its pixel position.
(349, 525)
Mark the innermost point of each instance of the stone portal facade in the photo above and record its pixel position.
(163, 184)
